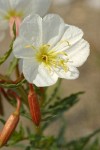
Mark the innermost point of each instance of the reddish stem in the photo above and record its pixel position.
(12, 82)
(12, 93)
(3, 92)
(31, 88)
(42, 90)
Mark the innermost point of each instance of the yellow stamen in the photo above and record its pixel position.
(31, 46)
(51, 57)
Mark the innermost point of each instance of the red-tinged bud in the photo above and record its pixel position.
(12, 121)
(9, 128)
(17, 21)
(34, 106)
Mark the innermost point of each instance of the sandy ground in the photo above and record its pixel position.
(84, 117)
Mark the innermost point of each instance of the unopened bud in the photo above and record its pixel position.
(34, 106)
(12, 121)
(17, 21)
(9, 128)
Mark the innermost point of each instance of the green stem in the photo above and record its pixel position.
(23, 94)
(38, 130)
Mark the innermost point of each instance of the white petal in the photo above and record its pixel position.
(72, 34)
(4, 5)
(27, 6)
(2, 35)
(3, 24)
(20, 49)
(30, 69)
(53, 29)
(45, 77)
(19, 5)
(31, 29)
(38, 74)
(20, 64)
(78, 53)
(38, 7)
(72, 73)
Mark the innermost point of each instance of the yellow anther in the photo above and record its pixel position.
(27, 46)
(50, 58)
(65, 41)
(45, 58)
(31, 46)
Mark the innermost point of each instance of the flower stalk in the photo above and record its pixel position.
(1, 104)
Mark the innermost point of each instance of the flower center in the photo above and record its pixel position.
(45, 58)
(13, 13)
(52, 58)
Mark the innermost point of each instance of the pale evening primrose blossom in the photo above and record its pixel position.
(17, 10)
(50, 49)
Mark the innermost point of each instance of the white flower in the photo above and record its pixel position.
(50, 49)
(10, 9)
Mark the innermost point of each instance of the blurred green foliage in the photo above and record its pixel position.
(51, 111)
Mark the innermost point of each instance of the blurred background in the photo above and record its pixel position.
(84, 117)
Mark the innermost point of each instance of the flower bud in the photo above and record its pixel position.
(17, 21)
(34, 106)
(9, 128)
(12, 121)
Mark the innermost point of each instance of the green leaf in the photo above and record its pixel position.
(82, 142)
(54, 111)
(12, 85)
(17, 136)
(60, 138)
(62, 105)
(7, 54)
(14, 29)
(95, 145)
(2, 121)
(12, 66)
(41, 142)
(28, 148)
(26, 115)
(54, 93)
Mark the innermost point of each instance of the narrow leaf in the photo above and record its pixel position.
(12, 66)
(7, 54)
(12, 85)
